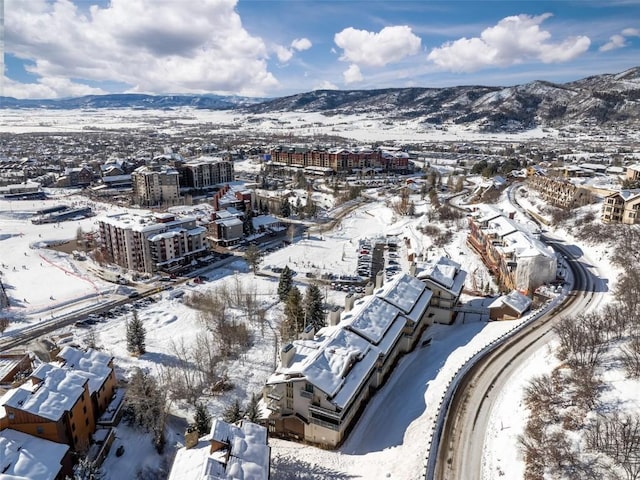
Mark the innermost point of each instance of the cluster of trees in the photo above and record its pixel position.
(299, 311)
(146, 406)
(236, 412)
(226, 314)
(567, 404)
(497, 167)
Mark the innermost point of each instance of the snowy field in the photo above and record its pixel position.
(362, 127)
(390, 440)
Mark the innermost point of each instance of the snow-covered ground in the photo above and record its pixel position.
(390, 440)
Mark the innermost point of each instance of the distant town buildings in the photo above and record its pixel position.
(340, 159)
(228, 452)
(149, 243)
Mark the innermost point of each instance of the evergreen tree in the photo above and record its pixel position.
(136, 335)
(85, 469)
(310, 208)
(293, 315)
(285, 208)
(202, 419)
(233, 412)
(314, 313)
(146, 406)
(285, 283)
(253, 412)
(253, 257)
(247, 223)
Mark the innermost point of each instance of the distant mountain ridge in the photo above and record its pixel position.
(597, 100)
(133, 100)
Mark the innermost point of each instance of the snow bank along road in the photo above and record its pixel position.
(460, 450)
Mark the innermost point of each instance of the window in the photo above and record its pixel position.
(73, 427)
(86, 421)
(84, 409)
(308, 387)
(39, 429)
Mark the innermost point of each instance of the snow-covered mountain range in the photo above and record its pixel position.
(598, 100)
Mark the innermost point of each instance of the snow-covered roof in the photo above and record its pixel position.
(244, 456)
(403, 292)
(515, 300)
(522, 245)
(92, 362)
(56, 394)
(145, 222)
(445, 273)
(23, 456)
(339, 359)
(264, 221)
(502, 226)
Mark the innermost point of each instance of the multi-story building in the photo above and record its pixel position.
(622, 207)
(340, 159)
(325, 379)
(228, 451)
(205, 173)
(226, 228)
(155, 186)
(633, 172)
(445, 278)
(152, 242)
(560, 192)
(517, 260)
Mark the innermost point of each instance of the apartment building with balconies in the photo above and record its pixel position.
(325, 378)
(517, 260)
(560, 192)
(155, 185)
(205, 173)
(147, 242)
(622, 207)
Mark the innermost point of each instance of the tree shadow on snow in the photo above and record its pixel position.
(286, 468)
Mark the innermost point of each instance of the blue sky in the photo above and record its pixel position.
(62, 48)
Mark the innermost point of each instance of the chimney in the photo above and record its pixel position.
(379, 279)
(191, 437)
(349, 300)
(334, 316)
(286, 355)
(412, 269)
(307, 333)
(368, 289)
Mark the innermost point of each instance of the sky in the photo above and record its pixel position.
(273, 48)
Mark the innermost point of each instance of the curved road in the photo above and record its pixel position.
(459, 436)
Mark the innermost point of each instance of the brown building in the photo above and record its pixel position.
(62, 401)
(24, 456)
(622, 207)
(560, 192)
(340, 159)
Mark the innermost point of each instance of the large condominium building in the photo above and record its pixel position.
(325, 379)
(155, 186)
(206, 172)
(518, 261)
(560, 192)
(622, 207)
(341, 159)
(152, 242)
(61, 401)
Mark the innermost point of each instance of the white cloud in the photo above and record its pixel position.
(284, 54)
(325, 85)
(631, 32)
(619, 40)
(301, 44)
(152, 46)
(47, 88)
(615, 42)
(513, 40)
(391, 44)
(352, 74)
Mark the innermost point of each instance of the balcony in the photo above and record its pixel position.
(325, 412)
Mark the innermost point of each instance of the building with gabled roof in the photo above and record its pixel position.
(445, 278)
(510, 306)
(23, 456)
(622, 207)
(516, 259)
(325, 379)
(229, 451)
